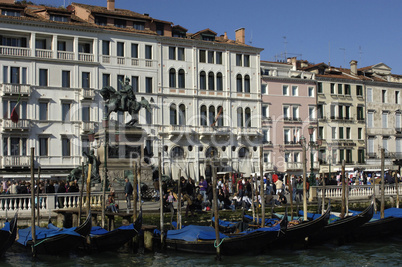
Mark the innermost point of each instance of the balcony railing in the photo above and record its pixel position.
(86, 57)
(294, 166)
(65, 55)
(10, 88)
(15, 51)
(16, 161)
(88, 93)
(88, 126)
(43, 53)
(268, 166)
(21, 125)
(372, 155)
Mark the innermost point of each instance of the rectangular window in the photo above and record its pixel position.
(246, 60)
(360, 133)
(65, 112)
(120, 49)
(43, 80)
(148, 52)
(43, 111)
(86, 116)
(148, 85)
(14, 146)
(266, 157)
(105, 48)
(134, 50)
(360, 156)
(332, 88)
(172, 53)
(180, 54)
(203, 56)
(285, 90)
(119, 23)
(286, 136)
(264, 88)
(295, 90)
(15, 75)
(120, 81)
(139, 25)
(65, 147)
(239, 61)
(65, 78)
(85, 80)
(332, 112)
(385, 143)
(369, 95)
(333, 132)
(347, 89)
(211, 57)
(23, 75)
(295, 113)
(340, 112)
(218, 56)
(5, 74)
(360, 114)
(286, 112)
(102, 21)
(340, 132)
(370, 119)
(349, 156)
(320, 132)
(384, 120)
(384, 96)
(359, 90)
(5, 146)
(397, 100)
(347, 112)
(348, 136)
(105, 79)
(264, 111)
(311, 113)
(311, 91)
(84, 48)
(341, 155)
(319, 88)
(340, 89)
(43, 146)
(370, 146)
(134, 83)
(40, 43)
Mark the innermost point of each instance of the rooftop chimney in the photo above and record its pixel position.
(225, 36)
(240, 35)
(294, 62)
(353, 67)
(110, 5)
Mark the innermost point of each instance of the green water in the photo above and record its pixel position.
(379, 253)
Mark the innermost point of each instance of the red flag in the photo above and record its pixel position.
(14, 114)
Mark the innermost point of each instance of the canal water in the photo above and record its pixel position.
(375, 253)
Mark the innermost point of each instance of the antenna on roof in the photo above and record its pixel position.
(329, 53)
(285, 42)
(344, 58)
(360, 53)
(251, 38)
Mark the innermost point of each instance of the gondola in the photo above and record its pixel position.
(340, 229)
(52, 240)
(376, 228)
(8, 235)
(103, 240)
(201, 240)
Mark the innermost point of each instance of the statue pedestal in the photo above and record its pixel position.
(125, 146)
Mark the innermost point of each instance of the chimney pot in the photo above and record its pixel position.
(110, 5)
(353, 67)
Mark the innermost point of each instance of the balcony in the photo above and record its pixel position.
(43, 53)
(88, 126)
(268, 166)
(292, 120)
(16, 89)
(292, 143)
(294, 166)
(15, 51)
(88, 94)
(21, 125)
(64, 55)
(16, 161)
(86, 57)
(247, 132)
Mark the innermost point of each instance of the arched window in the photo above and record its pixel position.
(247, 117)
(172, 78)
(203, 114)
(239, 117)
(182, 114)
(182, 80)
(211, 152)
(220, 116)
(247, 84)
(219, 82)
(211, 82)
(243, 152)
(177, 152)
(211, 115)
(203, 80)
(239, 83)
(173, 115)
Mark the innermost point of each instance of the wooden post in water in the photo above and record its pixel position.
(382, 183)
(257, 212)
(323, 196)
(304, 181)
(139, 181)
(37, 199)
(89, 189)
(262, 190)
(343, 190)
(135, 193)
(216, 215)
(81, 193)
(397, 189)
(179, 201)
(253, 197)
(161, 198)
(33, 202)
(291, 198)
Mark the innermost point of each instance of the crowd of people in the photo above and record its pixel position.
(44, 186)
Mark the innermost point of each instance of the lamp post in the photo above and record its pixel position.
(312, 145)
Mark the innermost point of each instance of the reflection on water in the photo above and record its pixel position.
(381, 253)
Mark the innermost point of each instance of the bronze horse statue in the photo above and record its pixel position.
(114, 103)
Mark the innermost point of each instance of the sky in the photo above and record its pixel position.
(313, 30)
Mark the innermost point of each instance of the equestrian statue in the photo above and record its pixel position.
(124, 100)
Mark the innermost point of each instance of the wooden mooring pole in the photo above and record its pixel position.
(397, 189)
(81, 193)
(262, 190)
(135, 192)
(216, 214)
(161, 199)
(33, 202)
(382, 184)
(179, 201)
(343, 190)
(37, 199)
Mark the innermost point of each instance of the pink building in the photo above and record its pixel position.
(288, 110)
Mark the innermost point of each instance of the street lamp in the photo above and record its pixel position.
(312, 145)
